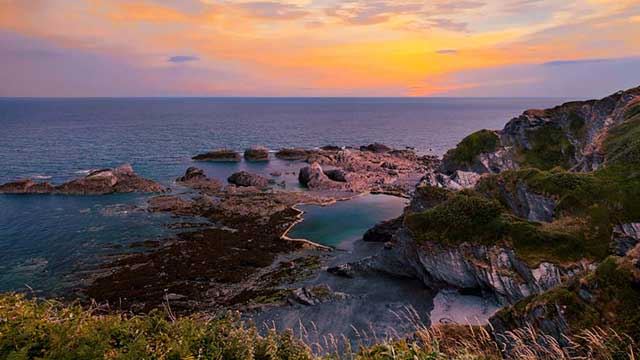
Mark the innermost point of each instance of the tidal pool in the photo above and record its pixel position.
(340, 224)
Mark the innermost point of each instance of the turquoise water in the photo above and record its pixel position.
(339, 224)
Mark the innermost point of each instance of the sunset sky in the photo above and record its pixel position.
(566, 48)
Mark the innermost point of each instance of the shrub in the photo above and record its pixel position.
(465, 153)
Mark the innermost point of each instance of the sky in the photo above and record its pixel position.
(538, 48)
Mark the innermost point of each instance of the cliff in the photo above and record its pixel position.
(525, 212)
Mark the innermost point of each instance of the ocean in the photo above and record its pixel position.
(47, 242)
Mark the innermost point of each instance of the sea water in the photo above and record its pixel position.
(47, 242)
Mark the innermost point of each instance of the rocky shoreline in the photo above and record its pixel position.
(540, 216)
(216, 265)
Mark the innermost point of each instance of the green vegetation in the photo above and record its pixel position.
(549, 147)
(31, 329)
(623, 143)
(577, 125)
(609, 298)
(49, 330)
(471, 217)
(483, 141)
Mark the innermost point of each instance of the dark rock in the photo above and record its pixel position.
(26, 186)
(337, 175)
(292, 154)
(314, 178)
(384, 231)
(376, 148)
(192, 173)
(246, 179)
(196, 179)
(119, 180)
(343, 270)
(331, 148)
(106, 181)
(625, 237)
(257, 153)
(220, 155)
(315, 295)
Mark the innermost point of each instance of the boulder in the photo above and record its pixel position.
(384, 231)
(196, 179)
(376, 148)
(292, 154)
(314, 178)
(256, 153)
(331, 148)
(246, 179)
(220, 155)
(337, 175)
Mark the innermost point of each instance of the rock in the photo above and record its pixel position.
(337, 175)
(343, 270)
(246, 179)
(196, 179)
(276, 174)
(495, 269)
(624, 238)
(314, 178)
(168, 203)
(26, 186)
(292, 154)
(220, 155)
(384, 231)
(376, 148)
(192, 174)
(331, 148)
(119, 180)
(315, 295)
(257, 153)
(107, 181)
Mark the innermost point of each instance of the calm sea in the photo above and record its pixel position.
(46, 242)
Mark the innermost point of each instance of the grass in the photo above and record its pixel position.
(549, 148)
(32, 329)
(465, 153)
(608, 297)
(469, 217)
(36, 329)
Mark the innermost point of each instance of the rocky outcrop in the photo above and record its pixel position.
(293, 154)
(314, 178)
(246, 179)
(570, 135)
(107, 181)
(338, 175)
(196, 179)
(220, 155)
(315, 295)
(376, 148)
(257, 153)
(624, 238)
(26, 186)
(384, 231)
(493, 269)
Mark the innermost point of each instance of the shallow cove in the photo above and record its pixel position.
(340, 224)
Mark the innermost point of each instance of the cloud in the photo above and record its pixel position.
(586, 78)
(273, 10)
(447, 52)
(450, 6)
(577, 62)
(373, 12)
(182, 58)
